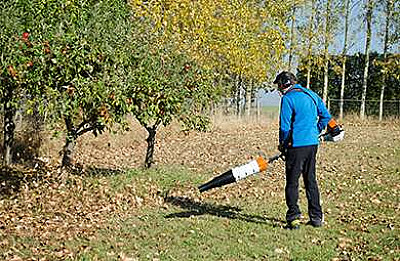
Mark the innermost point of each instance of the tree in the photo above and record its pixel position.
(292, 36)
(92, 61)
(369, 10)
(239, 39)
(344, 54)
(164, 84)
(20, 64)
(311, 33)
(74, 57)
(310, 41)
(388, 13)
(327, 36)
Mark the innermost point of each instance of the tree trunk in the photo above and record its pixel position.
(151, 141)
(9, 126)
(308, 77)
(249, 91)
(325, 93)
(238, 96)
(344, 53)
(367, 48)
(68, 151)
(310, 42)
(326, 51)
(342, 88)
(70, 143)
(292, 38)
(385, 48)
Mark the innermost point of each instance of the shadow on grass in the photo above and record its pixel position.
(102, 172)
(195, 208)
(12, 178)
(10, 181)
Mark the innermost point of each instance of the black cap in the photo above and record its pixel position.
(285, 78)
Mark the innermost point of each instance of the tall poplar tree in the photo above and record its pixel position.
(369, 9)
(344, 55)
(388, 13)
(292, 36)
(326, 47)
(310, 41)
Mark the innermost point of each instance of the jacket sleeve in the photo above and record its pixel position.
(285, 120)
(323, 115)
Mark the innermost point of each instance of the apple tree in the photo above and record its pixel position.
(64, 55)
(82, 67)
(166, 85)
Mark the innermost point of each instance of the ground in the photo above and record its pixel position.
(116, 210)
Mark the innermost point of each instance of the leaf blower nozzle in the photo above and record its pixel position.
(223, 179)
(238, 173)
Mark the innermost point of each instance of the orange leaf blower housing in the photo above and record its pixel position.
(334, 132)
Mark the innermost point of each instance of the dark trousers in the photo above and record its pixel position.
(301, 160)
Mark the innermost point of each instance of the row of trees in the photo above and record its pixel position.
(355, 67)
(314, 41)
(90, 63)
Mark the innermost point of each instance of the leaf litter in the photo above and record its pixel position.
(51, 207)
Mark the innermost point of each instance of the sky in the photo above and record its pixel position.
(269, 98)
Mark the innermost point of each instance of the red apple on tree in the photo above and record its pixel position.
(25, 36)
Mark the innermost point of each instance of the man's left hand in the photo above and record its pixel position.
(282, 149)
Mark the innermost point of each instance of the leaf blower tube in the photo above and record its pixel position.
(239, 173)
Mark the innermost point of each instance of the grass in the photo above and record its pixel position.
(158, 214)
(206, 230)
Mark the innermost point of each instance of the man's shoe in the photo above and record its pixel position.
(294, 224)
(315, 223)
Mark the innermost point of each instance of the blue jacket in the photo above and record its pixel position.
(303, 116)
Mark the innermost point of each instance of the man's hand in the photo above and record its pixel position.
(282, 149)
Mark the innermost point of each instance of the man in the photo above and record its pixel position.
(303, 116)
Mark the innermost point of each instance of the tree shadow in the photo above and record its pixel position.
(10, 181)
(195, 208)
(12, 178)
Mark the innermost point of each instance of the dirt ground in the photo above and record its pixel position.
(228, 142)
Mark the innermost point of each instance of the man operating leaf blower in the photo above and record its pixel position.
(303, 116)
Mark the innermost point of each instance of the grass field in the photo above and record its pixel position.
(128, 213)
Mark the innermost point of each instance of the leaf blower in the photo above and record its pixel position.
(334, 132)
(239, 173)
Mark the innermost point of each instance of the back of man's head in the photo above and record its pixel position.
(285, 78)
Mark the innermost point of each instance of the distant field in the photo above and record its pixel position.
(117, 211)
